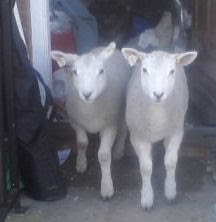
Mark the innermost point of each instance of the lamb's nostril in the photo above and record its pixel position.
(87, 95)
(158, 95)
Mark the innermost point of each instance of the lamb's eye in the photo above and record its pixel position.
(145, 71)
(74, 72)
(172, 72)
(101, 72)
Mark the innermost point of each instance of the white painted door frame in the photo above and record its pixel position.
(41, 43)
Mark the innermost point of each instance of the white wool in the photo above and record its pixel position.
(157, 101)
(95, 100)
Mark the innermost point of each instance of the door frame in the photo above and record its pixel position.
(41, 42)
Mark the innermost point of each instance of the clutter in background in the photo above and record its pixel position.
(165, 35)
(79, 25)
(63, 155)
(114, 21)
(60, 22)
(160, 36)
(75, 18)
(62, 34)
(60, 78)
(145, 25)
(98, 22)
(139, 25)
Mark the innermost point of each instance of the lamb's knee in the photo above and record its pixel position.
(82, 140)
(146, 167)
(170, 161)
(82, 143)
(104, 156)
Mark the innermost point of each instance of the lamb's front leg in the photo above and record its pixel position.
(82, 144)
(104, 156)
(172, 146)
(143, 151)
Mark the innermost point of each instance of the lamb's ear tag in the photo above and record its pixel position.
(61, 62)
(132, 59)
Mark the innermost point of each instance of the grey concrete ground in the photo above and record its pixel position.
(85, 205)
(196, 193)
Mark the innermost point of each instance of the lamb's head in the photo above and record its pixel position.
(87, 72)
(158, 70)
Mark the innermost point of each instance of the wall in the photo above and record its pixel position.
(204, 31)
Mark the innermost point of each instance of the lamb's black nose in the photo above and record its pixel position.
(87, 95)
(158, 95)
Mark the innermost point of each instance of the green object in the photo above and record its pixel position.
(8, 175)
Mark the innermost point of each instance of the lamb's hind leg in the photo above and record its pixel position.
(82, 144)
(104, 156)
(143, 151)
(119, 147)
(172, 146)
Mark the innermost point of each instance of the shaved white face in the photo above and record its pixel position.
(89, 77)
(88, 71)
(158, 70)
(158, 75)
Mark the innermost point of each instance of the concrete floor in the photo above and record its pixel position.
(195, 200)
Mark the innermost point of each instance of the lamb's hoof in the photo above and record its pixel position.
(171, 196)
(81, 167)
(170, 192)
(106, 198)
(107, 192)
(107, 195)
(172, 201)
(147, 209)
(147, 205)
(147, 199)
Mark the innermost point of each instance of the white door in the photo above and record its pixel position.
(41, 39)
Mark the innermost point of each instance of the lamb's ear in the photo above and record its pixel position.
(63, 59)
(132, 55)
(186, 58)
(108, 51)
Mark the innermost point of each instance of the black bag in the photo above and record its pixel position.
(38, 159)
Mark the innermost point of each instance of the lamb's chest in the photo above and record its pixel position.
(88, 117)
(155, 123)
(157, 118)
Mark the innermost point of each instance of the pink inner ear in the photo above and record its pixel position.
(186, 58)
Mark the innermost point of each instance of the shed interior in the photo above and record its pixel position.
(177, 26)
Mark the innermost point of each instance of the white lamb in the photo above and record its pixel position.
(157, 101)
(95, 103)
